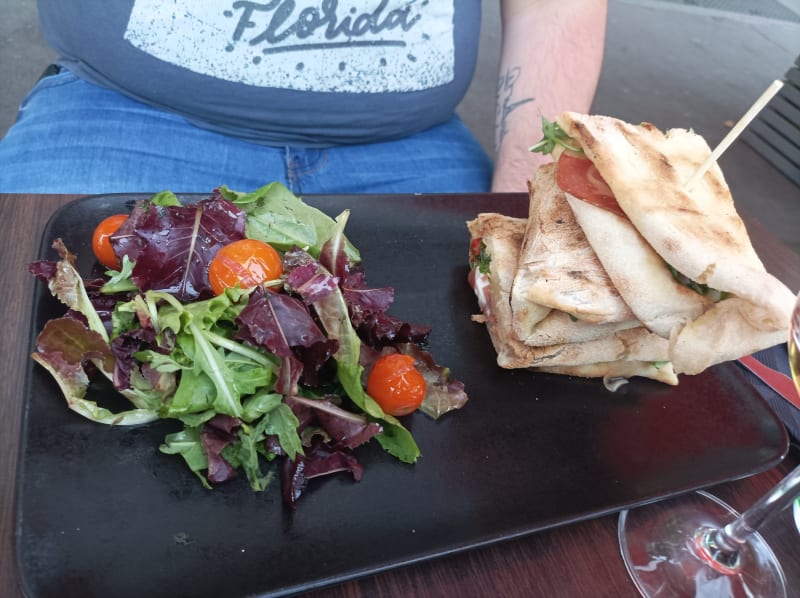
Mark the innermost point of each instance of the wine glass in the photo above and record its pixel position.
(696, 545)
(796, 512)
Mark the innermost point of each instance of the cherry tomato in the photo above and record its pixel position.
(396, 384)
(101, 240)
(475, 248)
(578, 176)
(246, 263)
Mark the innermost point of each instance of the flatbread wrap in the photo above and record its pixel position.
(679, 255)
(623, 267)
(561, 292)
(630, 352)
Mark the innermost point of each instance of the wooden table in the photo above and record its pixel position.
(576, 560)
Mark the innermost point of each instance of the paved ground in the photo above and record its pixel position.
(677, 63)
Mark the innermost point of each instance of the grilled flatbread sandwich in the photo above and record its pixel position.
(623, 353)
(680, 256)
(621, 267)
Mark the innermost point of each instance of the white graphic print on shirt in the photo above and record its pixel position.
(357, 46)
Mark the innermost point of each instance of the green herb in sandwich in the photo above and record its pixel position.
(479, 257)
(554, 135)
(697, 287)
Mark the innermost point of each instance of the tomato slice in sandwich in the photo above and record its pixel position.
(579, 177)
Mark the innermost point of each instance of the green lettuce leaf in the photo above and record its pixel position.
(187, 444)
(67, 286)
(278, 217)
(332, 312)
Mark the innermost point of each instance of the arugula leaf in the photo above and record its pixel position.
(120, 282)
(554, 135)
(186, 443)
(245, 453)
(259, 404)
(195, 394)
(216, 371)
(283, 423)
(195, 420)
(212, 363)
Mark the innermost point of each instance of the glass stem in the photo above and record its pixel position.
(732, 536)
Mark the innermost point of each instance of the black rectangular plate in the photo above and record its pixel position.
(100, 512)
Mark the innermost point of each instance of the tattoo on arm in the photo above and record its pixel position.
(505, 106)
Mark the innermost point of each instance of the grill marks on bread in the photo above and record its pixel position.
(571, 347)
(558, 268)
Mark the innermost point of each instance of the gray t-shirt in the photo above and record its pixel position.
(279, 72)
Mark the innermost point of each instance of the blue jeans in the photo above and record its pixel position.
(74, 137)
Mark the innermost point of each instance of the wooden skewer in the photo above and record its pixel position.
(737, 129)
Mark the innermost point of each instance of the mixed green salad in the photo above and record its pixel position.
(265, 378)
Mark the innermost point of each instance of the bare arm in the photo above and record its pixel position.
(550, 62)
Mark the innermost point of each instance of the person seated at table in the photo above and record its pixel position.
(326, 96)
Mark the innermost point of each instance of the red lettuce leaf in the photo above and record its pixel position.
(443, 393)
(364, 299)
(305, 276)
(76, 344)
(379, 330)
(333, 256)
(103, 303)
(43, 270)
(318, 367)
(368, 309)
(330, 449)
(319, 460)
(344, 428)
(217, 433)
(46, 270)
(366, 306)
(278, 322)
(284, 326)
(123, 347)
(173, 245)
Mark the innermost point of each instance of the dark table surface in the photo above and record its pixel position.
(577, 559)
